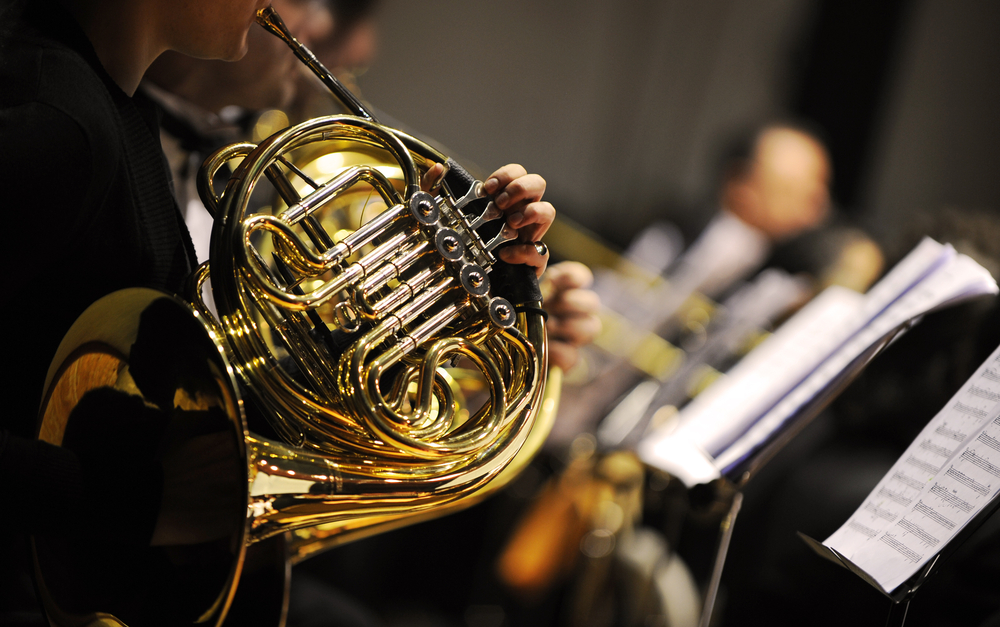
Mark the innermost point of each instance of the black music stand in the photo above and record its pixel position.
(904, 593)
(742, 472)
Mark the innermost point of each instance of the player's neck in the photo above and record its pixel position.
(123, 35)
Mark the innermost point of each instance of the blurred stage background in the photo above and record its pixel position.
(622, 106)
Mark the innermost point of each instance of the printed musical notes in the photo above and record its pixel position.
(946, 476)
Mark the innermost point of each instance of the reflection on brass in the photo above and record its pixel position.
(340, 315)
(352, 233)
(88, 371)
(142, 395)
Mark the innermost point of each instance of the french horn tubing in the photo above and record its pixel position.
(347, 340)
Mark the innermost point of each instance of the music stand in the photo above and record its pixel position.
(742, 472)
(904, 593)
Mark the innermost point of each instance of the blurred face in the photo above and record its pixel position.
(786, 189)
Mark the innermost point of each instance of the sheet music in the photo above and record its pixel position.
(721, 413)
(922, 261)
(718, 416)
(753, 307)
(946, 476)
(725, 409)
(736, 415)
(960, 276)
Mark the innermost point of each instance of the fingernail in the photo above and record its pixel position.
(515, 219)
(491, 185)
(502, 200)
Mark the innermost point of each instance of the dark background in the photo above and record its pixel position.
(623, 106)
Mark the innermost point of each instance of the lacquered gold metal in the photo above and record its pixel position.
(342, 330)
(339, 409)
(340, 412)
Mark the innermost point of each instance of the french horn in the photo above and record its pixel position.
(343, 340)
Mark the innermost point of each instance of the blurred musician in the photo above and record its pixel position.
(774, 188)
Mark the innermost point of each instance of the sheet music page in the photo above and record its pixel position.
(680, 457)
(752, 307)
(919, 263)
(946, 476)
(720, 413)
(723, 411)
(734, 416)
(959, 277)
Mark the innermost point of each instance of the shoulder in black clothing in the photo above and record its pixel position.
(87, 205)
(86, 193)
(55, 123)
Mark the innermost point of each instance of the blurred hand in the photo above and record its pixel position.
(572, 308)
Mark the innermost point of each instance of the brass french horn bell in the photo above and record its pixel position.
(346, 339)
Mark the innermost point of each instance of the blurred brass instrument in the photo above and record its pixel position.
(342, 338)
